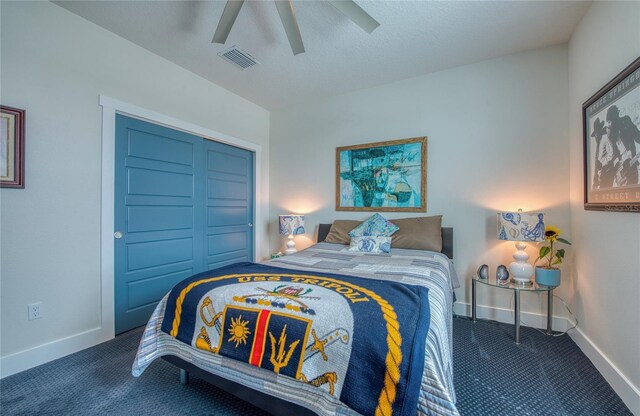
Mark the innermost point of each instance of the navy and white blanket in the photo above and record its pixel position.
(245, 319)
(360, 340)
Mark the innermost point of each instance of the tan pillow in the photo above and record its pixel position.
(339, 232)
(421, 233)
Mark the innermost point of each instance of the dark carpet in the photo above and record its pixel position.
(543, 375)
(493, 376)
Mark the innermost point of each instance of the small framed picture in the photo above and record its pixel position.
(611, 126)
(384, 176)
(11, 147)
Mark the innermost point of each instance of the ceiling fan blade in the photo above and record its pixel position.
(288, 18)
(357, 15)
(231, 10)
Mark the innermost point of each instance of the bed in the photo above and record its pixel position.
(282, 395)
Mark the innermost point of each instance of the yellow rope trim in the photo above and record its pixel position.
(393, 357)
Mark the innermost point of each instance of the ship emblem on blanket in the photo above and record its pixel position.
(281, 328)
(264, 338)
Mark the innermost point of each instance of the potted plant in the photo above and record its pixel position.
(549, 275)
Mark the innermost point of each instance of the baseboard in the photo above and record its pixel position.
(629, 393)
(536, 320)
(33, 357)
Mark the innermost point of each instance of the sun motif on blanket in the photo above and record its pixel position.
(239, 331)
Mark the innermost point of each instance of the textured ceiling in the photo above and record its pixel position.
(414, 38)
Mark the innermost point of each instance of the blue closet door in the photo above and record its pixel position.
(159, 213)
(229, 204)
(183, 205)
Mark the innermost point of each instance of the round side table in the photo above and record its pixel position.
(517, 288)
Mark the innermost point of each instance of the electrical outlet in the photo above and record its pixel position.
(35, 311)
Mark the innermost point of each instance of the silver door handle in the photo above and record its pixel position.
(117, 235)
(250, 224)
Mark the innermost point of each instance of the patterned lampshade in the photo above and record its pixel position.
(521, 226)
(291, 224)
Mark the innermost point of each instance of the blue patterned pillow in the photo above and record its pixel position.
(375, 225)
(371, 244)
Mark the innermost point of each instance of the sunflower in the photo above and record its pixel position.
(553, 257)
(551, 233)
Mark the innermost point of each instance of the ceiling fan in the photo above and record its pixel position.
(288, 17)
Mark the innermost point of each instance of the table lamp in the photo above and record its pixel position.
(521, 227)
(291, 225)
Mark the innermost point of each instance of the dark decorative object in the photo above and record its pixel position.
(11, 147)
(483, 271)
(611, 133)
(502, 274)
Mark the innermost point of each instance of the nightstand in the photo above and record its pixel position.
(517, 288)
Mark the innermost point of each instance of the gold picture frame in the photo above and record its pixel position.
(382, 176)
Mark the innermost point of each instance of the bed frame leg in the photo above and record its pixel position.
(184, 377)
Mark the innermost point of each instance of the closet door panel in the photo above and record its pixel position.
(229, 204)
(159, 216)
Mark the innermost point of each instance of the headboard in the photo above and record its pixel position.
(447, 238)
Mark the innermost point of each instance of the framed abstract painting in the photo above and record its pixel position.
(611, 126)
(384, 176)
(11, 147)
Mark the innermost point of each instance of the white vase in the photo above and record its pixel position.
(521, 271)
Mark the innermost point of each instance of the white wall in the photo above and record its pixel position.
(55, 65)
(497, 141)
(496, 132)
(607, 244)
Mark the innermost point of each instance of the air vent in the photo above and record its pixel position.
(238, 57)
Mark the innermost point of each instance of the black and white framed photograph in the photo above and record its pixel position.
(611, 125)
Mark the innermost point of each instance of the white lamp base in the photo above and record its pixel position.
(521, 271)
(291, 246)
